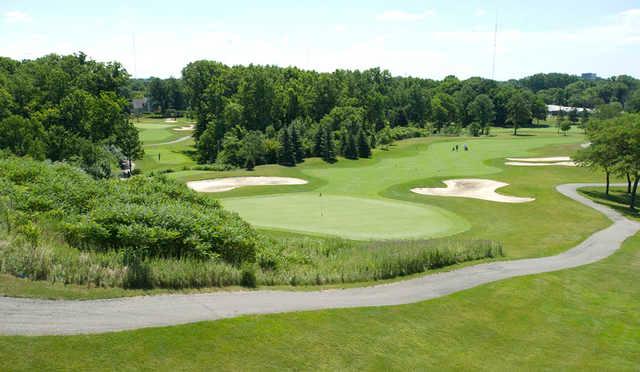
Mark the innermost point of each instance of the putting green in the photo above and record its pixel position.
(346, 216)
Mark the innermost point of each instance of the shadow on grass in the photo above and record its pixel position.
(617, 199)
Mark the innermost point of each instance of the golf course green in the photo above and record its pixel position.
(347, 216)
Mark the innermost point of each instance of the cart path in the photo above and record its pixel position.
(50, 317)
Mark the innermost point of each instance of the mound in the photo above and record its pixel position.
(472, 188)
(230, 183)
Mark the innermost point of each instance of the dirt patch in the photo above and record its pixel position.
(230, 183)
(473, 188)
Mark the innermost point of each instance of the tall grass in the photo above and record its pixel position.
(298, 261)
(332, 261)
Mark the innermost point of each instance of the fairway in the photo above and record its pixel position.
(346, 216)
(157, 131)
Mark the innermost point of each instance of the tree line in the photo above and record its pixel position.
(67, 108)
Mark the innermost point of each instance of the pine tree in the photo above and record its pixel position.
(296, 143)
(287, 155)
(329, 147)
(319, 142)
(351, 147)
(364, 149)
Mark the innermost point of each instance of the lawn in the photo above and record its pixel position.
(580, 319)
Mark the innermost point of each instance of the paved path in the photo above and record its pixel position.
(44, 317)
(181, 139)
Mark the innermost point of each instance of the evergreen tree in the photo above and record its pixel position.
(351, 147)
(329, 147)
(364, 149)
(287, 155)
(319, 141)
(296, 143)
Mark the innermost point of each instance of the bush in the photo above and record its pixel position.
(154, 216)
(400, 133)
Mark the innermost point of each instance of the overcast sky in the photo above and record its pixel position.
(420, 38)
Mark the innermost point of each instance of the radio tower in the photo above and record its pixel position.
(495, 47)
(135, 57)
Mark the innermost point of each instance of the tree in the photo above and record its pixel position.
(364, 148)
(601, 153)
(208, 145)
(128, 141)
(538, 108)
(608, 111)
(385, 138)
(158, 94)
(482, 111)
(584, 119)
(443, 110)
(573, 116)
(22, 137)
(633, 102)
(329, 154)
(518, 112)
(287, 156)
(296, 142)
(565, 126)
(351, 148)
(252, 149)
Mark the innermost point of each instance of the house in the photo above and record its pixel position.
(141, 105)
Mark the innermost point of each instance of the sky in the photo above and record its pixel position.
(429, 39)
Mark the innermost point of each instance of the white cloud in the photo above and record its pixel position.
(402, 16)
(339, 28)
(16, 16)
(480, 12)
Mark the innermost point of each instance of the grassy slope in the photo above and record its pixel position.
(583, 318)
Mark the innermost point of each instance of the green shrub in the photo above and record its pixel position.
(154, 216)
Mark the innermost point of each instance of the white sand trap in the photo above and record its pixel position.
(585, 145)
(541, 160)
(526, 164)
(170, 120)
(473, 188)
(187, 128)
(230, 183)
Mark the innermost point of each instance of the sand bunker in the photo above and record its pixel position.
(525, 164)
(170, 120)
(230, 183)
(473, 188)
(543, 160)
(187, 128)
(539, 162)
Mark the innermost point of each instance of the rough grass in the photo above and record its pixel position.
(299, 261)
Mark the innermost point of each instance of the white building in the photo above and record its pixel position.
(554, 109)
